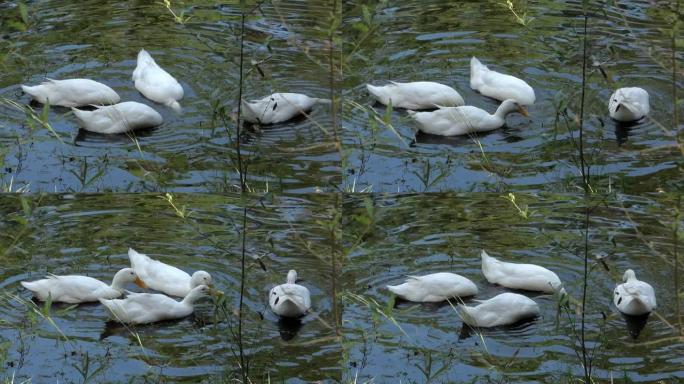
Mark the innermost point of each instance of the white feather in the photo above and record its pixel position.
(79, 289)
(634, 297)
(278, 107)
(166, 278)
(118, 118)
(529, 277)
(290, 299)
(155, 83)
(452, 121)
(498, 85)
(629, 104)
(416, 95)
(434, 287)
(144, 308)
(72, 93)
(506, 308)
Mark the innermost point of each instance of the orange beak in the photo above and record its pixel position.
(140, 283)
(523, 111)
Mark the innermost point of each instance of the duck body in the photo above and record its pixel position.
(145, 308)
(528, 277)
(155, 83)
(498, 85)
(416, 95)
(629, 104)
(634, 297)
(74, 289)
(118, 118)
(72, 93)
(453, 121)
(278, 107)
(504, 309)
(434, 287)
(166, 278)
(290, 299)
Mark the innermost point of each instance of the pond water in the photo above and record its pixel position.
(90, 235)
(421, 234)
(435, 202)
(434, 40)
(194, 151)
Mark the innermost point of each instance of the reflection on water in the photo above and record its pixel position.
(434, 40)
(193, 151)
(420, 234)
(289, 327)
(635, 324)
(90, 235)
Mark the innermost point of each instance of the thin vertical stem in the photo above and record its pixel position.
(585, 180)
(241, 169)
(675, 114)
(675, 251)
(678, 138)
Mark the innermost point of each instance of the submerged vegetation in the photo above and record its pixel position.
(566, 192)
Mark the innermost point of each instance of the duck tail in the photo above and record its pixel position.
(476, 65)
(30, 285)
(476, 68)
(467, 314)
(487, 263)
(81, 115)
(29, 90)
(144, 57)
(378, 93)
(248, 113)
(396, 289)
(411, 113)
(135, 257)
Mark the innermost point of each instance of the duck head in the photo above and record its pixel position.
(628, 275)
(125, 276)
(510, 105)
(201, 278)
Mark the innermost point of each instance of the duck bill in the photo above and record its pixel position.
(215, 292)
(140, 283)
(523, 111)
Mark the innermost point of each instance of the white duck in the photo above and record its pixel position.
(634, 297)
(75, 289)
(72, 93)
(499, 86)
(434, 287)
(529, 277)
(506, 308)
(452, 121)
(290, 299)
(144, 308)
(628, 104)
(416, 95)
(278, 107)
(166, 278)
(118, 118)
(155, 83)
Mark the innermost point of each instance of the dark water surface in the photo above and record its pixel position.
(421, 234)
(91, 197)
(434, 40)
(74, 234)
(194, 151)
